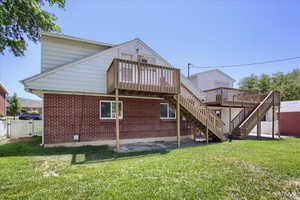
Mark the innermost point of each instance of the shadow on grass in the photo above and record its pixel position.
(96, 157)
(80, 155)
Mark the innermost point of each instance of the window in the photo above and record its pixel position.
(126, 56)
(142, 59)
(167, 112)
(221, 84)
(108, 110)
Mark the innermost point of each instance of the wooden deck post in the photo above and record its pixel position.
(194, 133)
(178, 120)
(258, 129)
(117, 122)
(206, 132)
(273, 122)
(230, 121)
(278, 119)
(273, 118)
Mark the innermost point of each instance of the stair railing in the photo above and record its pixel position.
(272, 99)
(201, 112)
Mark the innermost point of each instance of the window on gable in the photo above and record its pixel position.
(108, 110)
(166, 111)
(126, 56)
(142, 59)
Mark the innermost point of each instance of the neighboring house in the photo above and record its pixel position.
(3, 94)
(81, 82)
(31, 106)
(232, 105)
(212, 79)
(289, 118)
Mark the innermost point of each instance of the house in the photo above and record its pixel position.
(3, 94)
(82, 81)
(29, 105)
(233, 105)
(99, 93)
(212, 79)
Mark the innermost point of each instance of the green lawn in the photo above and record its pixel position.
(248, 169)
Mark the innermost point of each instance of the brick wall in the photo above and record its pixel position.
(289, 123)
(68, 115)
(2, 104)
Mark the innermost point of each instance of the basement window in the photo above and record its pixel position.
(166, 111)
(108, 110)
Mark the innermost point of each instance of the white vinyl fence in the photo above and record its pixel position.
(3, 129)
(21, 128)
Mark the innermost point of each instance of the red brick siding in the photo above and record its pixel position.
(2, 104)
(289, 123)
(67, 115)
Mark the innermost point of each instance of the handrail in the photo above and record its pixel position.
(270, 100)
(201, 112)
(240, 117)
(232, 96)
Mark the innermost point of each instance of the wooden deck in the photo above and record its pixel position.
(231, 97)
(132, 76)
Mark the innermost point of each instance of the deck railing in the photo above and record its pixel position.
(241, 116)
(138, 76)
(201, 112)
(232, 97)
(272, 99)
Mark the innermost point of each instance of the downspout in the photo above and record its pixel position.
(43, 138)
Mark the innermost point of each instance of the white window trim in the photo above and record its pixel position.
(168, 112)
(110, 118)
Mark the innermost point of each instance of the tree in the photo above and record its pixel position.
(14, 106)
(25, 18)
(264, 84)
(249, 83)
(287, 84)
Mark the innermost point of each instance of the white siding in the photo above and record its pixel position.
(90, 75)
(225, 115)
(56, 52)
(285, 106)
(211, 80)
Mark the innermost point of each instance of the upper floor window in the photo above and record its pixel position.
(142, 59)
(108, 110)
(221, 84)
(127, 56)
(166, 111)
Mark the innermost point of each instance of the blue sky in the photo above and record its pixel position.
(205, 33)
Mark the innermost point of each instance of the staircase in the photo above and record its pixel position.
(248, 117)
(196, 111)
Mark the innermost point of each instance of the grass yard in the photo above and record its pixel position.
(248, 169)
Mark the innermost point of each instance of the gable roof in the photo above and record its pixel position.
(61, 67)
(3, 88)
(68, 37)
(210, 71)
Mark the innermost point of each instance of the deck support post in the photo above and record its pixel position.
(278, 120)
(194, 133)
(229, 121)
(117, 121)
(178, 121)
(206, 132)
(258, 130)
(273, 116)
